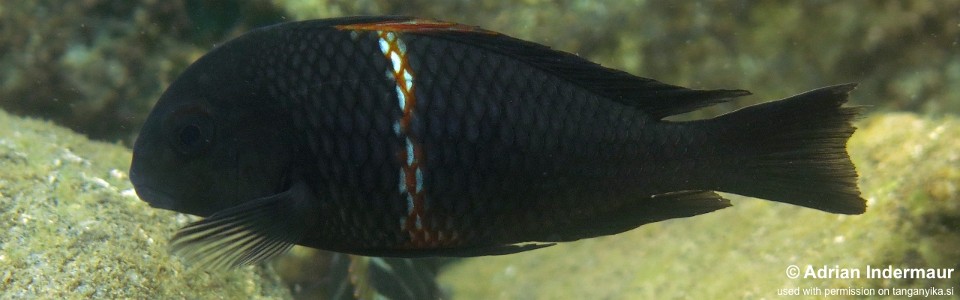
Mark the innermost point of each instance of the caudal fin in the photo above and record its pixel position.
(793, 151)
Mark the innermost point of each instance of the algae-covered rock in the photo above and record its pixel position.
(72, 227)
(97, 66)
(910, 174)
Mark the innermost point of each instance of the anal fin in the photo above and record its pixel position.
(681, 205)
(468, 251)
(647, 210)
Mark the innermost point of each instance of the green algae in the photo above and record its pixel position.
(110, 61)
(74, 229)
(909, 174)
(97, 66)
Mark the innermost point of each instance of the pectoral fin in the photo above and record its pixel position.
(246, 234)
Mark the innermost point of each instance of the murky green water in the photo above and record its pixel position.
(70, 225)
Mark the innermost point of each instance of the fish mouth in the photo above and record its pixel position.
(155, 198)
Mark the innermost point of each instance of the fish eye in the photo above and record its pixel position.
(190, 135)
(189, 130)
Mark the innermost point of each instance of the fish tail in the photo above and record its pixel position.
(792, 151)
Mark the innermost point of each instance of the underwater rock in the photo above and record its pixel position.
(98, 65)
(903, 53)
(318, 274)
(72, 227)
(909, 173)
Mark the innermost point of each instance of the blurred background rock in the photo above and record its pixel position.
(97, 66)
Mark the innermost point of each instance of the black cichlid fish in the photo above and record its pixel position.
(394, 136)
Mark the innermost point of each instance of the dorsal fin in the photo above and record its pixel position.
(403, 24)
(653, 97)
(657, 99)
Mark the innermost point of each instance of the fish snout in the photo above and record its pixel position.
(153, 197)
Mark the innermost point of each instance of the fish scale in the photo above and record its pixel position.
(407, 137)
